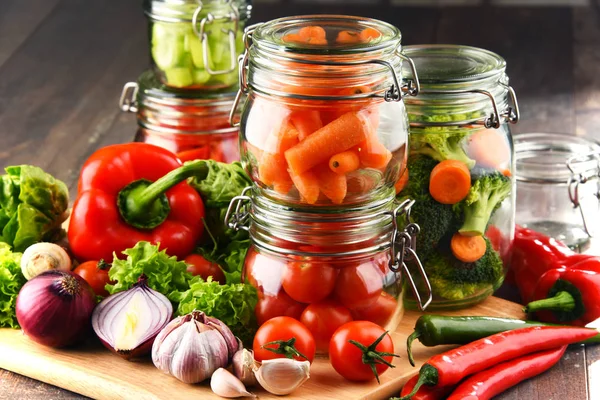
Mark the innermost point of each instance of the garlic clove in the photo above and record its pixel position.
(243, 364)
(282, 376)
(223, 383)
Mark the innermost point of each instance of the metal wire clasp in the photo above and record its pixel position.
(238, 212)
(232, 16)
(128, 99)
(581, 178)
(403, 249)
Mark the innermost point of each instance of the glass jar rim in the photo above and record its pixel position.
(543, 157)
(184, 10)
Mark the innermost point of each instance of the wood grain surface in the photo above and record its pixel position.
(94, 371)
(63, 64)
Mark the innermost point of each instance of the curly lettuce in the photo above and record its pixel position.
(33, 205)
(11, 281)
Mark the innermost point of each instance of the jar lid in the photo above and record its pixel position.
(184, 10)
(555, 158)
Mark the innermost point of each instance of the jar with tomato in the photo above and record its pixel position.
(324, 122)
(325, 268)
(194, 125)
(460, 171)
(195, 44)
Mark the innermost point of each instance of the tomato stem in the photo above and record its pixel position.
(103, 265)
(372, 357)
(285, 347)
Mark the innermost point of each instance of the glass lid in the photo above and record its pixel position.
(327, 34)
(184, 10)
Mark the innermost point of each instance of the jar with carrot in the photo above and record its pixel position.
(194, 125)
(460, 171)
(324, 123)
(324, 268)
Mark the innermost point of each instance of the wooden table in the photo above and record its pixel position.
(63, 64)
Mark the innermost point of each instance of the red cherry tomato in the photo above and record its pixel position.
(308, 282)
(198, 265)
(96, 274)
(379, 312)
(347, 358)
(283, 329)
(323, 319)
(263, 272)
(270, 306)
(359, 286)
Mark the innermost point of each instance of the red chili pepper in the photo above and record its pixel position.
(425, 392)
(568, 295)
(135, 192)
(449, 368)
(491, 382)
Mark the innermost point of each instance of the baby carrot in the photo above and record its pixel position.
(312, 31)
(283, 187)
(332, 185)
(338, 136)
(450, 182)
(292, 38)
(369, 34)
(307, 185)
(272, 167)
(348, 37)
(402, 181)
(344, 162)
(373, 154)
(467, 248)
(306, 123)
(490, 148)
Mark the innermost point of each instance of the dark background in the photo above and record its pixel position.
(63, 64)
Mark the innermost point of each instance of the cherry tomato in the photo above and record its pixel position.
(322, 320)
(348, 359)
(359, 286)
(288, 332)
(380, 312)
(263, 272)
(308, 282)
(270, 306)
(198, 265)
(96, 274)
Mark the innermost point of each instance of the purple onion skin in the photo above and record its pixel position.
(55, 308)
(141, 351)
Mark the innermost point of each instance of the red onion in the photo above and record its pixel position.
(55, 307)
(128, 322)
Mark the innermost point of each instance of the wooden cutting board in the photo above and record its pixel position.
(95, 372)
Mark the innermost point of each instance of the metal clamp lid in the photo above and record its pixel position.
(238, 212)
(578, 179)
(232, 16)
(395, 93)
(403, 250)
(128, 99)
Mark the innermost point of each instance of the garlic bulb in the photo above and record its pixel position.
(193, 346)
(42, 257)
(225, 384)
(243, 364)
(282, 376)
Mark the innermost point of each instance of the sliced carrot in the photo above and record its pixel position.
(402, 181)
(312, 31)
(467, 248)
(450, 181)
(489, 148)
(332, 185)
(344, 162)
(292, 38)
(307, 185)
(348, 37)
(317, 41)
(306, 122)
(369, 34)
(338, 136)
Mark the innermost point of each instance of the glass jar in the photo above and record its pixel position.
(460, 171)
(558, 186)
(194, 126)
(194, 44)
(324, 122)
(323, 269)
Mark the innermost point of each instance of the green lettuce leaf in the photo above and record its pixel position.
(222, 183)
(11, 281)
(32, 206)
(232, 304)
(164, 273)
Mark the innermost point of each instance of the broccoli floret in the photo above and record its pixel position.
(454, 280)
(485, 196)
(441, 143)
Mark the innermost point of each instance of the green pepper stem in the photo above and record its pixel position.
(562, 301)
(144, 205)
(409, 342)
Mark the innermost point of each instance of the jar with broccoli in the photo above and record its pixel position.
(460, 170)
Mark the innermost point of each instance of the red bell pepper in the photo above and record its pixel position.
(568, 295)
(135, 192)
(535, 253)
